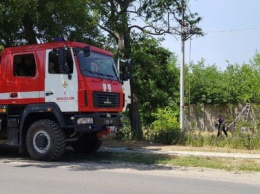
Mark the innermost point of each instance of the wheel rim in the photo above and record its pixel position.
(41, 141)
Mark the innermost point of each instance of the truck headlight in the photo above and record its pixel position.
(88, 120)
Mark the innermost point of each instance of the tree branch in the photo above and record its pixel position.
(112, 33)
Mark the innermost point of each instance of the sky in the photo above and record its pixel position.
(232, 33)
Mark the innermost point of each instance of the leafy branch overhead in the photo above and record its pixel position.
(34, 21)
(149, 16)
(171, 17)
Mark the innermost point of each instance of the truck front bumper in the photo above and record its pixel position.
(97, 122)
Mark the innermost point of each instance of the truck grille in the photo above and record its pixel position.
(106, 99)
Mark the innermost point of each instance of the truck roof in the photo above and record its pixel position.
(51, 45)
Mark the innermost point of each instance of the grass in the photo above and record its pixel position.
(198, 141)
(228, 164)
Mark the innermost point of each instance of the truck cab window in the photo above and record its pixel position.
(24, 65)
(53, 63)
(98, 65)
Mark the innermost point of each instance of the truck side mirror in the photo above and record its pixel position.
(62, 60)
(86, 51)
(127, 70)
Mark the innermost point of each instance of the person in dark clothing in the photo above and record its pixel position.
(221, 125)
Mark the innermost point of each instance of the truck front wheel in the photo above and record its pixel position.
(45, 140)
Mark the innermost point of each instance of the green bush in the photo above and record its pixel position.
(165, 129)
(125, 133)
(168, 137)
(193, 139)
(166, 119)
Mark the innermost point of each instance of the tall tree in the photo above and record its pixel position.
(118, 19)
(255, 64)
(239, 83)
(156, 76)
(114, 16)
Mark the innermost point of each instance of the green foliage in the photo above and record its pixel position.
(33, 21)
(165, 129)
(125, 133)
(169, 133)
(156, 77)
(165, 119)
(237, 84)
(193, 139)
(171, 13)
(168, 137)
(238, 140)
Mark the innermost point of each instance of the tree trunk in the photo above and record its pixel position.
(136, 125)
(123, 39)
(28, 25)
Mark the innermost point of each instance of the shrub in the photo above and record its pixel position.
(168, 137)
(165, 129)
(193, 139)
(125, 133)
(166, 119)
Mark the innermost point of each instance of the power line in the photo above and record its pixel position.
(233, 30)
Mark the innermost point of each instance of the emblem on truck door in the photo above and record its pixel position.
(65, 84)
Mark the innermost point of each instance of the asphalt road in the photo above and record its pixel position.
(22, 175)
(41, 178)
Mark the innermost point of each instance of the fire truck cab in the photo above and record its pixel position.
(59, 94)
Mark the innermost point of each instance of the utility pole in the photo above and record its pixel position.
(183, 39)
(182, 78)
(187, 22)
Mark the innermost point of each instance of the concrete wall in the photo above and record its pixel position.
(204, 116)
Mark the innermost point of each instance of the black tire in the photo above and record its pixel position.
(45, 140)
(87, 144)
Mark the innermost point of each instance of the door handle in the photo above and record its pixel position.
(48, 93)
(14, 95)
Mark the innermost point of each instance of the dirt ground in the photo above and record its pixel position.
(156, 146)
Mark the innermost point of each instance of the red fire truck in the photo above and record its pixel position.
(59, 94)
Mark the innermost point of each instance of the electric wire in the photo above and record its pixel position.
(232, 30)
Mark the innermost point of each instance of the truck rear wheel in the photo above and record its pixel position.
(45, 140)
(87, 144)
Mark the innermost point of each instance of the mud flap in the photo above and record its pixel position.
(13, 136)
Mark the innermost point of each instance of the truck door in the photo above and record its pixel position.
(60, 87)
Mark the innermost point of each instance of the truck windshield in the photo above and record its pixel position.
(97, 65)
